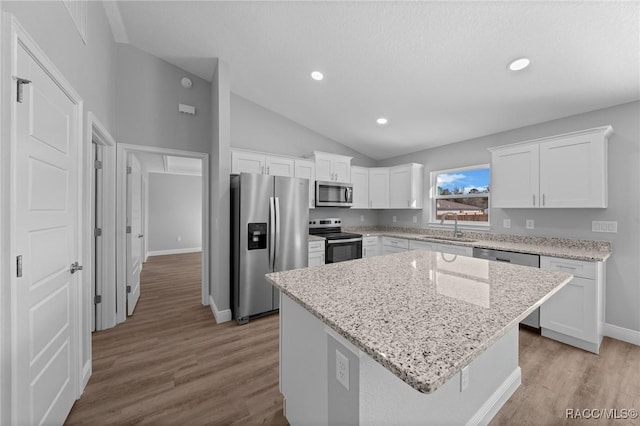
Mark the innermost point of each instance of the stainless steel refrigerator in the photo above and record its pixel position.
(270, 228)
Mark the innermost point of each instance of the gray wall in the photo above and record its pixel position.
(148, 93)
(623, 268)
(256, 128)
(175, 211)
(220, 188)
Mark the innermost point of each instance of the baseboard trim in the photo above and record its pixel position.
(86, 375)
(491, 407)
(621, 333)
(220, 316)
(174, 251)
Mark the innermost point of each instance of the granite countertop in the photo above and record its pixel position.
(315, 238)
(587, 250)
(422, 315)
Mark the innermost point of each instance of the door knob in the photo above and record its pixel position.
(140, 235)
(75, 268)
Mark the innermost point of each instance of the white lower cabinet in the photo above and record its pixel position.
(453, 249)
(316, 253)
(370, 246)
(574, 315)
(422, 245)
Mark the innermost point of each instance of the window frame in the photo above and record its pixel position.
(434, 197)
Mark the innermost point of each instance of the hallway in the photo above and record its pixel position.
(171, 364)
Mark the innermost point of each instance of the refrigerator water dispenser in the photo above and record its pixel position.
(257, 236)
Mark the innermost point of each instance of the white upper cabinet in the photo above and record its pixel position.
(332, 167)
(565, 171)
(515, 176)
(405, 186)
(280, 166)
(379, 187)
(306, 169)
(360, 181)
(255, 162)
(247, 162)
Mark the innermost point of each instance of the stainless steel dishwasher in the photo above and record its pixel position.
(526, 259)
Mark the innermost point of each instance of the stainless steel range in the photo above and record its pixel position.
(340, 245)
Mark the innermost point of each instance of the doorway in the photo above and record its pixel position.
(127, 156)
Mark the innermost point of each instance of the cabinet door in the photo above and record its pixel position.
(360, 181)
(379, 188)
(388, 249)
(422, 245)
(515, 177)
(573, 172)
(279, 166)
(342, 169)
(316, 258)
(572, 310)
(324, 167)
(247, 162)
(400, 187)
(453, 249)
(306, 169)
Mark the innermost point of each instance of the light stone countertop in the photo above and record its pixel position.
(315, 238)
(586, 250)
(422, 315)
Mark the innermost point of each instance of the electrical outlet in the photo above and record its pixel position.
(415, 219)
(604, 226)
(179, 238)
(342, 369)
(464, 378)
(394, 219)
(361, 218)
(530, 224)
(506, 223)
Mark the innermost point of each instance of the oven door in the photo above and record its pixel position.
(334, 194)
(341, 250)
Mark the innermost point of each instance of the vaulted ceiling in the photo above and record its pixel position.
(436, 70)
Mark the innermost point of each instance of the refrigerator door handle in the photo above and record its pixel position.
(277, 239)
(272, 232)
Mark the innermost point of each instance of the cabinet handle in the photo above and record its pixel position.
(267, 169)
(364, 251)
(534, 199)
(262, 169)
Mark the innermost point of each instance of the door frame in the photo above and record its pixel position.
(97, 132)
(13, 34)
(123, 150)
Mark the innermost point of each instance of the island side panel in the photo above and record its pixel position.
(493, 377)
(303, 365)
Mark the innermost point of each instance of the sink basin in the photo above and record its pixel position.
(458, 239)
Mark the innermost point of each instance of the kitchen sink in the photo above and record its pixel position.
(443, 238)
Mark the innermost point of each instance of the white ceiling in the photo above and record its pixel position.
(436, 70)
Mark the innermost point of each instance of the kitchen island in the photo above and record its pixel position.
(417, 338)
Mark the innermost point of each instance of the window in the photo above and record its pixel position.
(463, 191)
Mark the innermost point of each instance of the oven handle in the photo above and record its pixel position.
(350, 240)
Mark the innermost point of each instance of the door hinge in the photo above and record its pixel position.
(129, 170)
(128, 289)
(128, 229)
(97, 164)
(20, 82)
(97, 299)
(19, 266)
(97, 232)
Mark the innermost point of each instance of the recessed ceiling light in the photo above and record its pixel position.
(381, 120)
(519, 64)
(317, 75)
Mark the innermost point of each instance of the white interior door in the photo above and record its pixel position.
(47, 229)
(134, 237)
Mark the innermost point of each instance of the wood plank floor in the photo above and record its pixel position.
(171, 364)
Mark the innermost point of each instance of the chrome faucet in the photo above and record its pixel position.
(456, 231)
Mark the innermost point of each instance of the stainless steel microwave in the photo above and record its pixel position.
(334, 194)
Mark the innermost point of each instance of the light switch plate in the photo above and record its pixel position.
(530, 224)
(361, 218)
(415, 219)
(604, 226)
(395, 219)
(506, 223)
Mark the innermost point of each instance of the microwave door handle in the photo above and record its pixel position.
(272, 232)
